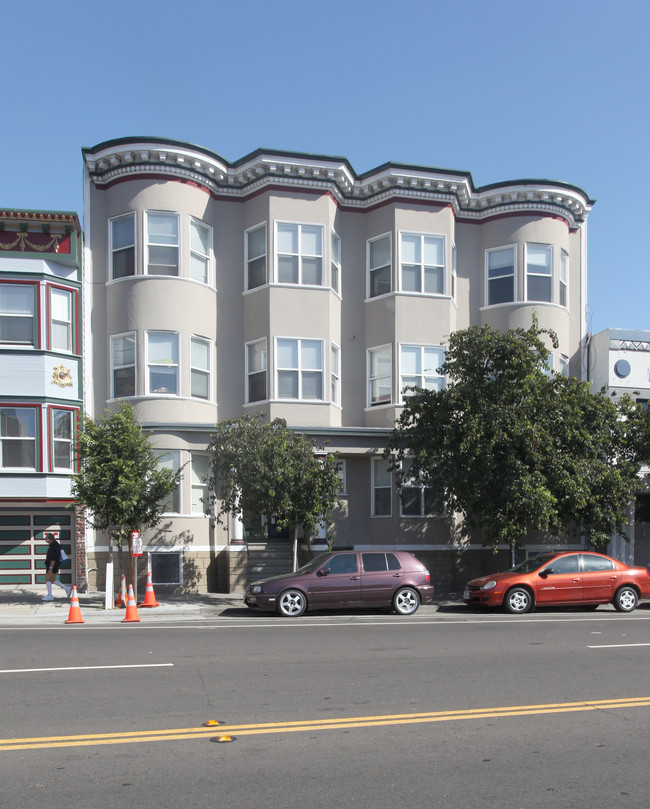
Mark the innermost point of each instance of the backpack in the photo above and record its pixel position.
(64, 556)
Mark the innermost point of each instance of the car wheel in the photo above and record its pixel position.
(626, 599)
(406, 601)
(518, 601)
(292, 603)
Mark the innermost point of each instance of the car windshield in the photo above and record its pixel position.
(534, 563)
(315, 562)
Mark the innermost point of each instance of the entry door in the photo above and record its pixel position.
(563, 582)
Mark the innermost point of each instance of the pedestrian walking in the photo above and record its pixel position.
(52, 565)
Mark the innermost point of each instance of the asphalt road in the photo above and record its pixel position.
(449, 709)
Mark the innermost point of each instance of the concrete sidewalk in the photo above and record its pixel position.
(25, 604)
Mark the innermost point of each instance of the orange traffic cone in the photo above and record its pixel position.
(74, 616)
(131, 609)
(149, 595)
(121, 596)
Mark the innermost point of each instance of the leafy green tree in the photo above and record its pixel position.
(120, 482)
(267, 469)
(514, 448)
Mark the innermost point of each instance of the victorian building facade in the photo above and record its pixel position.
(290, 284)
(40, 393)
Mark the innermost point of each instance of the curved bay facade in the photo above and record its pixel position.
(290, 284)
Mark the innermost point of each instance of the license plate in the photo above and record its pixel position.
(465, 594)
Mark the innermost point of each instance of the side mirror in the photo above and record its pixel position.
(324, 571)
(544, 573)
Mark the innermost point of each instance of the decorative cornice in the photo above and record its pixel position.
(129, 158)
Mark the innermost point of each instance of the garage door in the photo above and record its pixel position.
(23, 547)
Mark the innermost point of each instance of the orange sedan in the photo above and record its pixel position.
(573, 578)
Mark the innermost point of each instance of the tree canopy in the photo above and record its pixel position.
(267, 469)
(120, 481)
(513, 447)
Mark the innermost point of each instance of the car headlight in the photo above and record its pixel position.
(488, 585)
(257, 588)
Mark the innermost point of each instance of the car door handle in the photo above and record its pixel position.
(354, 578)
(397, 575)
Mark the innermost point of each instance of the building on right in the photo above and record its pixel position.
(618, 360)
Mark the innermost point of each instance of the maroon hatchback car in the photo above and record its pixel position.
(342, 579)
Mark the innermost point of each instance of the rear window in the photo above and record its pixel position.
(592, 563)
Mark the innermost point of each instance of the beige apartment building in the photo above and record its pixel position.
(288, 283)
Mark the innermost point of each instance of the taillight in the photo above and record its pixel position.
(427, 577)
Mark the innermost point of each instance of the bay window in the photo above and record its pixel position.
(171, 459)
(200, 366)
(17, 314)
(123, 365)
(419, 368)
(539, 273)
(256, 371)
(61, 319)
(335, 264)
(256, 257)
(162, 243)
(200, 247)
(162, 358)
(500, 270)
(422, 263)
(122, 246)
(199, 470)
(379, 260)
(61, 430)
(381, 488)
(564, 278)
(380, 375)
(299, 254)
(18, 437)
(299, 368)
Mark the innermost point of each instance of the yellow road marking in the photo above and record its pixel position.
(177, 734)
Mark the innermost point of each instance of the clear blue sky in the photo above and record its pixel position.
(505, 89)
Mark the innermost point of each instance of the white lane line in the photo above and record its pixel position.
(617, 645)
(88, 668)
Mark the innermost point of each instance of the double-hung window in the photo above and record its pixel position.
(335, 264)
(122, 246)
(419, 368)
(61, 430)
(564, 278)
(162, 357)
(199, 470)
(381, 488)
(17, 314)
(335, 374)
(123, 365)
(564, 365)
(61, 302)
(422, 263)
(380, 375)
(500, 270)
(162, 243)
(416, 499)
(380, 266)
(200, 247)
(171, 459)
(299, 368)
(454, 271)
(299, 252)
(200, 367)
(539, 272)
(256, 257)
(256, 371)
(18, 437)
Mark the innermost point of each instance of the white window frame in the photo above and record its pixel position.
(249, 259)
(171, 364)
(335, 373)
(33, 439)
(530, 274)
(301, 256)
(54, 411)
(197, 370)
(32, 316)
(414, 484)
(114, 367)
(375, 487)
(342, 472)
(67, 325)
(335, 262)
(372, 379)
(422, 267)
(113, 250)
(301, 370)
(376, 269)
(198, 485)
(563, 279)
(425, 373)
(250, 346)
(454, 272)
(563, 365)
(149, 244)
(196, 254)
(512, 275)
(175, 498)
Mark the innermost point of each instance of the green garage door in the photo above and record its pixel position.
(23, 548)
